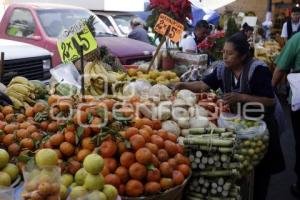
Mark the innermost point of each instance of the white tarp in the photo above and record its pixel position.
(104, 5)
(213, 4)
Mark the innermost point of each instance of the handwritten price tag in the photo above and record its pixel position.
(69, 48)
(169, 27)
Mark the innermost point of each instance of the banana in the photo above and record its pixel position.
(88, 67)
(93, 91)
(121, 77)
(22, 89)
(29, 101)
(17, 103)
(23, 81)
(26, 105)
(16, 95)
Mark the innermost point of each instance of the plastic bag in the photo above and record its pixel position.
(138, 88)
(66, 73)
(43, 182)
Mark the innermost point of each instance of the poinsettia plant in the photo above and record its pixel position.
(213, 45)
(179, 10)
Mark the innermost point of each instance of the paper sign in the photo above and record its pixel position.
(69, 47)
(169, 27)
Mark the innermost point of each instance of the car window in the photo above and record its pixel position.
(108, 23)
(123, 22)
(21, 24)
(54, 21)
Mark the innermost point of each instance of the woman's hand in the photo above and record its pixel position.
(233, 97)
(175, 86)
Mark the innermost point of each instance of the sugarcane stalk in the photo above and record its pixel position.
(218, 173)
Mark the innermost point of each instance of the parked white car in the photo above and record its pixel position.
(21, 59)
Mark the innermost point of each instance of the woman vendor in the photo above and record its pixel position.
(242, 80)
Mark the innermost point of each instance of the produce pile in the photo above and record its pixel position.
(8, 171)
(140, 158)
(215, 172)
(252, 144)
(154, 76)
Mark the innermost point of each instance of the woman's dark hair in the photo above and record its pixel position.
(240, 43)
(246, 27)
(295, 9)
(202, 24)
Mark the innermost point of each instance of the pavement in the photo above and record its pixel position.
(279, 188)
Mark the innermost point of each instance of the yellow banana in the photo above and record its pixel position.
(121, 77)
(94, 92)
(30, 101)
(26, 105)
(23, 81)
(16, 95)
(22, 89)
(17, 103)
(88, 67)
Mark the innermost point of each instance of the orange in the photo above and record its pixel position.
(122, 173)
(153, 175)
(14, 149)
(143, 156)
(53, 99)
(137, 141)
(9, 118)
(80, 117)
(162, 155)
(86, 132)
(127, 159)
(165, 169)
(146, 134)
(8, 139)
(7, 110)
(36, 136)
(52, 127)
(152, 147)
(134, 188)
(109, 103)
(108, 149)
(73, 167)
(87, 143)
(178, 177)
(44, 125)
(121, 147)
(184, 169)
(172, 137)
(171, 148)
(137, 171)
(70, 137)
(39, 107)
(111, 163)
(82, 154)
(180, 148)
(122, 190)
(148, 122)
(27, 143)
(152, 188)
(112, 179)
(166, 183)
(1, 116)
(156, 124)
(96, 125)
(131, 132)
(57, 139)
(67, 149)
(10, 128)
(138, 123)
(180, 159)
(172, 162)
(156, 139)
(155, 161)
(162, 133)
(21, 118)
(105, 171)
(22, 133)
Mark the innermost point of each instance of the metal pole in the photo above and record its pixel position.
(269, 5)
(82, 70)
(1, 66)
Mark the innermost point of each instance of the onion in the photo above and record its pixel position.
(171, 127)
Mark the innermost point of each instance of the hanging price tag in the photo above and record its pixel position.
(169, 27)
(69, 47)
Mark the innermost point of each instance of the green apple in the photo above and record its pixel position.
(5, 179)
(66, 179)
(46, 157)
(80, 176)
(77, 192)
(110, 192)
(4, 158)
(94, 182)
(12, 170)
(93, 163)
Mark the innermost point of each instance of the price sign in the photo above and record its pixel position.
(169, 27)
(69, 47)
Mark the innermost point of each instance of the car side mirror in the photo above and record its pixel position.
(36, 37)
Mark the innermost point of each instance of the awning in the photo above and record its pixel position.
(212, 4)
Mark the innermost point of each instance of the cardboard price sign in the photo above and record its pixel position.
(169, 27)
(69, 48)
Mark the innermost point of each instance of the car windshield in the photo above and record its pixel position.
(54, 21)
(123, 22)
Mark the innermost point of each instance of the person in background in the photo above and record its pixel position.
(190, 41)
(292, 26)
(289, 61)
(138, 31)
(247, 30)
(243, 79)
